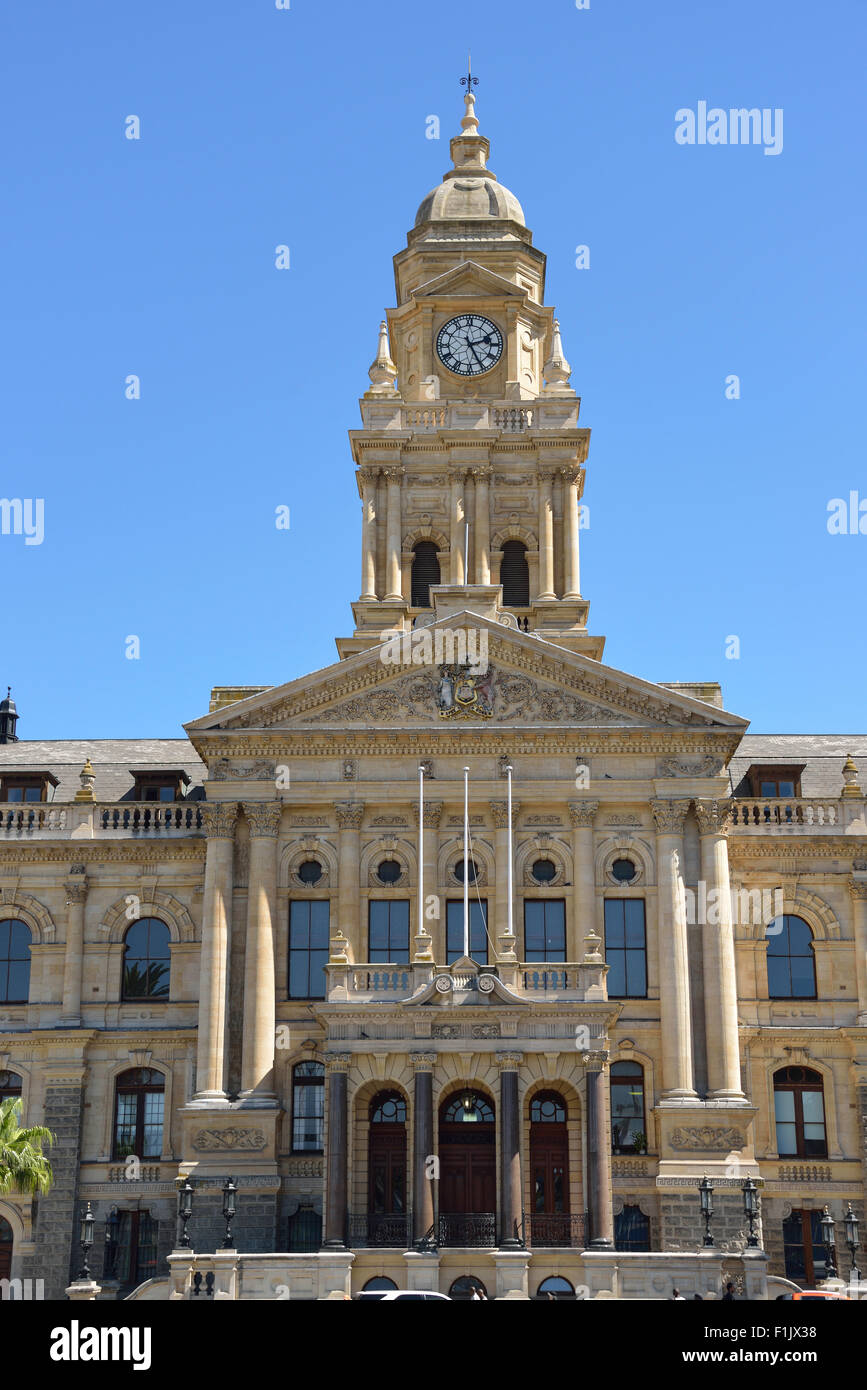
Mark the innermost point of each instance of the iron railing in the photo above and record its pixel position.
(391, 1231)
(477, 1230)
(553, 1229)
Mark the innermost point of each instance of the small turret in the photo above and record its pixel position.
(8, 718)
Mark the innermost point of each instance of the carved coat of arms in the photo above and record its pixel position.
(465, 694)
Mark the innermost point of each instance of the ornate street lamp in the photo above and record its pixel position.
(751, 1209)
(185, 1211)
(705, 1192)
(229, 1191)
(827, 1223)
(850, 1222)
(112, 1224)
(85, 1240)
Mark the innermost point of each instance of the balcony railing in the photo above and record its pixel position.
(22, 818)
(47, 820)
(550, 1230)
(464, 1231)
(152, 817)
(798, 813)
(372, 1230)
(385, 983)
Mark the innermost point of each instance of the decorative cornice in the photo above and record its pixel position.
(669, 816)
(713, 816)
(220, 818)
(106, 851)
(349, 814)
(583, 813)
(263, 818)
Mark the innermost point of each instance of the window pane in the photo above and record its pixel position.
(616, 977)
(778, 977)
(19, 980)
(768, 789)
(555, 930)
(534, 931)
(614, 922)
(786, 1139)
(634, 914)
(319, 923)
(787, 789)
(636, 973)
(803, 981)
(814, 1109)
(455, 931)
(784, 1105)
(136, 941)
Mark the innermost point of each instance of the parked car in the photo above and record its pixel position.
(806, 1294)
(396, 1295)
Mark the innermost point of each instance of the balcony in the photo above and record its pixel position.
(505, 417)
(390, 983)
(47, 820)
(544, 1230)
(372, 1232)
(807, 815)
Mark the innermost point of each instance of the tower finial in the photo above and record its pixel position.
(469, 123)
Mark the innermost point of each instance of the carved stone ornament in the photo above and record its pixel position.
(713, 816)
(463, 694)
(709, 1138)
(669, 816)
(220, 819)
(583, 813)
(500, 813)
(349, 814)
(263, 819)
(221, 1140)
(432, 812)
(681, 767)
(223, 770)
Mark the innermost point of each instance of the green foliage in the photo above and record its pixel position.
(23, 1165)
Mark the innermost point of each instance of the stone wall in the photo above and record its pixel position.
(56, 1228)
(682, 1224)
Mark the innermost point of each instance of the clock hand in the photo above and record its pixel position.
(475, 354)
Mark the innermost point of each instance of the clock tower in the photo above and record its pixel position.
(470, 459)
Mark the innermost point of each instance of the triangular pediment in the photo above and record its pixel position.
(469, 278)
(428, 680)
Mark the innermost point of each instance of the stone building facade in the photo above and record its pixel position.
(242, 953)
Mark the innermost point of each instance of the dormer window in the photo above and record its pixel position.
(775, 779)
(29, 786)
(168, 785)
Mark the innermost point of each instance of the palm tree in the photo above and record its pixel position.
(23, 1166)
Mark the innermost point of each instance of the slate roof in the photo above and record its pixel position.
(824, 755)
(112, 759)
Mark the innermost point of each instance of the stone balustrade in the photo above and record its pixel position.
(385, 983)
(506, 417)
(71, 820)
(770, 814)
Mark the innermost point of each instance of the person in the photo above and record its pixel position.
(729, 1295)
(676, 1296)
(697, 1296)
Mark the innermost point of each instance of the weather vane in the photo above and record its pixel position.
(469, 81)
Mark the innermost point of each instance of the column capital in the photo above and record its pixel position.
(423, 1061)
(263, 817)
(669, 816)
(547, 474)
(432, 813)
(76, 891)
(483, 473)
(857, 888)
(393, 473)
(713, 816)
(509, 1061)
(220, 818)
(500, 813)
(571, 474)
(583, 813)
(368, 476)
(337, 1063)
(595, 1061)
(349, 814)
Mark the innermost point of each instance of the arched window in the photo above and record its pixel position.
(555, 1287)
(799, 1108)
(5, 1248)
(468, 1286)
(388, 1108)
(138, 1113)
(10, 1085)
(550, 1222)
(14, 962)
(548, 1108)
(386, 1154)
(515, 575)
(791, 960)
(468, 1107)
(146, 961)
(308, 1107)
(305, 1229)
(627, 1108)
(631, 1229)
(425, 571)
(380, 1283)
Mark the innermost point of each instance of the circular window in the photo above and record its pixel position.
(389, 871)
(544, 870)
(310, 871)
(472, 872)
(623, 870)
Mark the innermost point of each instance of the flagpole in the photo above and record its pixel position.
(510, 925)
(466, 861)
(420, 850)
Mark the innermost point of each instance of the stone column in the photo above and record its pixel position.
(393, 534)
(219, 821)
(571, 569)
(500, 813)
(435, 926)
(718, 953)
(260, 1019)
(482, 535)
(599, 1197)
(456, 528)
(73, 960)
(368, 478)
(546, 536)
(423, 1146)
(349, 817)
(511, 1191)
(583, 916)
(336, 1207)
(677, 1075)
(858, 891)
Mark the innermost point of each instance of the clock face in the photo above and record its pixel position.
(469, 345)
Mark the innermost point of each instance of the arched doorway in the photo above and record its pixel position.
(386, 1150)
(468, 1171)
(551, 1223)
(5, 1249)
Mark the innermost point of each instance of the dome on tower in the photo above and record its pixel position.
(469, 191)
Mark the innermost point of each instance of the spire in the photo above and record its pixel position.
(8, 718)
(382, 370)
(469, 150)
(556, 370)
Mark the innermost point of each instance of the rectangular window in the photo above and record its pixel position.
(388, 932)
(308, 948)
(544, 929)
(787, 1133)
(625, 948)
(478, 931)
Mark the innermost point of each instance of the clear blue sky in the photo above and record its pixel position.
(306, 126)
